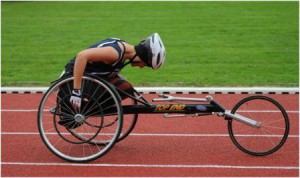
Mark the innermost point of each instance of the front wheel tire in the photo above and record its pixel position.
(270, 136)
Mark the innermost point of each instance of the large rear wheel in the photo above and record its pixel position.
(79, 135)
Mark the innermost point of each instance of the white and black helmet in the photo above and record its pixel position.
(152, 51)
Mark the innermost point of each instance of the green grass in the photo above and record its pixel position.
(208, 43)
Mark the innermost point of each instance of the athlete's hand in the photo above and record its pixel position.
(75, 99)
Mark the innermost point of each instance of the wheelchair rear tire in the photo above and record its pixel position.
(88, 139)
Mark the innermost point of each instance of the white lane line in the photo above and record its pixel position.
(153, 135)
(252, 111)
(266, 111)
(153, 165)
(19, 110)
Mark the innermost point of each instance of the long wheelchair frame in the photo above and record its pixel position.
(50, 111)
(181, 110)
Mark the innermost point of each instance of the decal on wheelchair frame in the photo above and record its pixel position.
(201, 108)
(170, 107)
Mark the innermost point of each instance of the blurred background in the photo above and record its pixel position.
(209, 44)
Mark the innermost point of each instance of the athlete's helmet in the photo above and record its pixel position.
(152, 51)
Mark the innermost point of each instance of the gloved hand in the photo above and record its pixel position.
(76, 98)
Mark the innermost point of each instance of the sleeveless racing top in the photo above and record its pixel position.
(100, 68)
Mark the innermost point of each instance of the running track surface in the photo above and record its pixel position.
(158, 147)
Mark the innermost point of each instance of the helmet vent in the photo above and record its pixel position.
(152, 39)
(158, 59)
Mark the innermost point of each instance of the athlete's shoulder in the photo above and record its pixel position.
(105, 42)
(116, 39)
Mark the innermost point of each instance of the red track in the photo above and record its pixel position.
(174, 147)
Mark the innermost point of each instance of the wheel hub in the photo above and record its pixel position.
(79, 118)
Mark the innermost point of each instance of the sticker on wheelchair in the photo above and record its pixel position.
(201, 108)
(170, 107)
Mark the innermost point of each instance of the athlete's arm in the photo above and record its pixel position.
(107, 55)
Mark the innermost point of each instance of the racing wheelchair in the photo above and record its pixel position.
(257, 125)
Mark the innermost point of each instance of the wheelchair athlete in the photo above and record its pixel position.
(106, 59)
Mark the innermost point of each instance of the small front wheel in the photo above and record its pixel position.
(267, 138)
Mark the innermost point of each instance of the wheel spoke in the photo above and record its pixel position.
(271, 134)
(88, 140)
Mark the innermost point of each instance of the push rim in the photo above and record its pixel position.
(49, 102)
